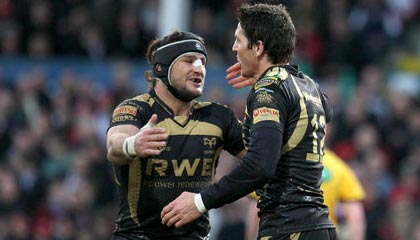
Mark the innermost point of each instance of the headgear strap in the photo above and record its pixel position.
(169, 51)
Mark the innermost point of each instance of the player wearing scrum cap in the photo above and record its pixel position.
(164, 142)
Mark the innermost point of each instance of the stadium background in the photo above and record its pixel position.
(65, 64)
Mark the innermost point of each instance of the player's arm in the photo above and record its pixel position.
(125, 142)
(251, 173)
(352, 195)
(115, 140)
(252, 220)
(355, 219)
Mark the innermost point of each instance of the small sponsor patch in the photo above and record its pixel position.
(266, 114)
(264, 97)
(262, 83)
(126, 109)
(122, 118)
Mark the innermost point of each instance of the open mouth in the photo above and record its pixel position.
(197, 80)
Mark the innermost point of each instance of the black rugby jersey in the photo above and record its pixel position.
(284, 130)
(187, 163)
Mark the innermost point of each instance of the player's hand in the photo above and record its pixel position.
(180, 211)
(233, 75)
(150, 140)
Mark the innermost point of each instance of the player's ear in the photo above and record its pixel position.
(259, 48)
(158, 67)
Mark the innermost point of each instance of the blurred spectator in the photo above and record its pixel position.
(130, 38)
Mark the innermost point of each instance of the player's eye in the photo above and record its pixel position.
(203, 61)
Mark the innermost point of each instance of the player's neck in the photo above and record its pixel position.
(178, 107)
(263, 65)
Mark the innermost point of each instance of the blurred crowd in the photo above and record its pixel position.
(55, 180)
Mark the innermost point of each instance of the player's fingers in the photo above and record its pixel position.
(244, 83)
(234, 67)
(155, 144)
(154, 130)
(156, 137)
(166, 210)
(180, 223)
(233, 75)
(152, 121)
(240, 85)
(236, 80)
(173, 220)
(151, 152)
(167, 214)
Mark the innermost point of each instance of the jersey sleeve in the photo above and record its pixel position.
(233, 134)
(250, 174)
(268, 106)
(129, 112)
(328, 109)
(264, 150)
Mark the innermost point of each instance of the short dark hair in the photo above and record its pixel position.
(272, 25)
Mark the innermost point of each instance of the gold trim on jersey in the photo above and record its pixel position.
(134, 180)
(313, 157)
(182, 119)
(213, 170)
(198, 105)
(302, 123)
(295, 236)
(193, 127)
(146, 98)
(116, 178)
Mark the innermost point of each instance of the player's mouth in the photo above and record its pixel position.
(196, 80)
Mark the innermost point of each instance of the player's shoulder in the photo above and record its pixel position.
(145, 98)
(273, 77)
(213, 108)
(210, 105)
(134, 104)
(139, 100)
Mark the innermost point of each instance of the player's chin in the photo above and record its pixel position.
(196, 93)
(196, 90)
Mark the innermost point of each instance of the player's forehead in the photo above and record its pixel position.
(193, 55)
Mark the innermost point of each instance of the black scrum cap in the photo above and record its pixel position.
(169, 51)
